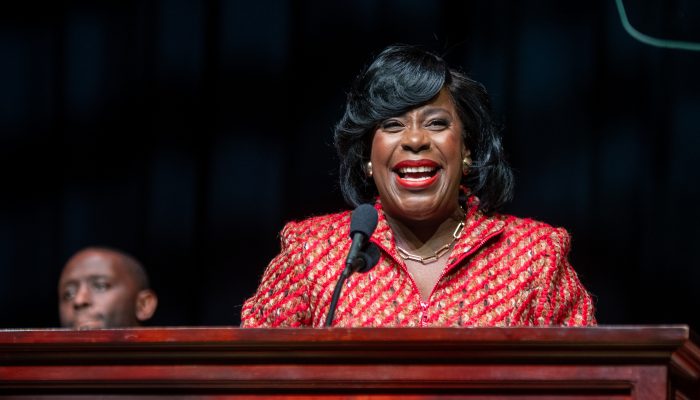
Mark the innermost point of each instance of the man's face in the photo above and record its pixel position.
(97, 291)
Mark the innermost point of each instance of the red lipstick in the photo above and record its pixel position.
(416, 163)
(416, 174)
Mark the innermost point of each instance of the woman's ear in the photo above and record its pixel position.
(466, 160)
(146, 303)
(466, 152)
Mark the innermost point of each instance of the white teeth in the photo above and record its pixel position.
(424, 178)
(414, 170)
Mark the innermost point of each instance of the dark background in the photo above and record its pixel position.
(188, 132)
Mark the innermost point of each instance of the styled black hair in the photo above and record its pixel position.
(404, 77)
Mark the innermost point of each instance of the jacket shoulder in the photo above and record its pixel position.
(534, 230)
(316, 226)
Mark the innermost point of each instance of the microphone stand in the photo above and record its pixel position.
(364, 261)
(362, 255)
(336, 295)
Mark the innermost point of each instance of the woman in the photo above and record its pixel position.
(418, 141)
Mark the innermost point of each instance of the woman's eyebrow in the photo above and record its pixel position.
(431, 110)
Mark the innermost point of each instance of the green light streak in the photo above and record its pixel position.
(652, 41)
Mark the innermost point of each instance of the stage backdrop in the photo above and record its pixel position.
(188, 132)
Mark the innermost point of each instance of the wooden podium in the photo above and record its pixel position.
(639, 362)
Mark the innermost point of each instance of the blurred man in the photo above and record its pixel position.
(104, 288)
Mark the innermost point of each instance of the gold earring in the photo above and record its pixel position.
(368, 169)
(466, 163)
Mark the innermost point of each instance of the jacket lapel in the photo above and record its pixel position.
(478, 229)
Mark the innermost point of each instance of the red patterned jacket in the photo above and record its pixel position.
(502, 271)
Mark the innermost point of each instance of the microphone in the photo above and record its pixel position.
(370, 257)
(363, 255)
(362, 223)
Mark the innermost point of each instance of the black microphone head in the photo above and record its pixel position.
(371, 257)
(363, 220)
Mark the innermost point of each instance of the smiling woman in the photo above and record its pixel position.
(418, 141)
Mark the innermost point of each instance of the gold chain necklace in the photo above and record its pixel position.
(436, 254)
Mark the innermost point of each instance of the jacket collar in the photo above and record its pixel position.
(478, 229)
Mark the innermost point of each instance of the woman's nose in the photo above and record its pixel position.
(415, 139)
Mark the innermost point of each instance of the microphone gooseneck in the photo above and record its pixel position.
(363, 255)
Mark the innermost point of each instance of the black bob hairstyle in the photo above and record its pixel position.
(404, 77)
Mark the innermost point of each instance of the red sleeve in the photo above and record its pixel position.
(282, 299)
(564, 301)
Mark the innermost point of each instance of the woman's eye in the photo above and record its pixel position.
(391, 126)
(438, 124)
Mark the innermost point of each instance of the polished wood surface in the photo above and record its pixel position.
(640, 362)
